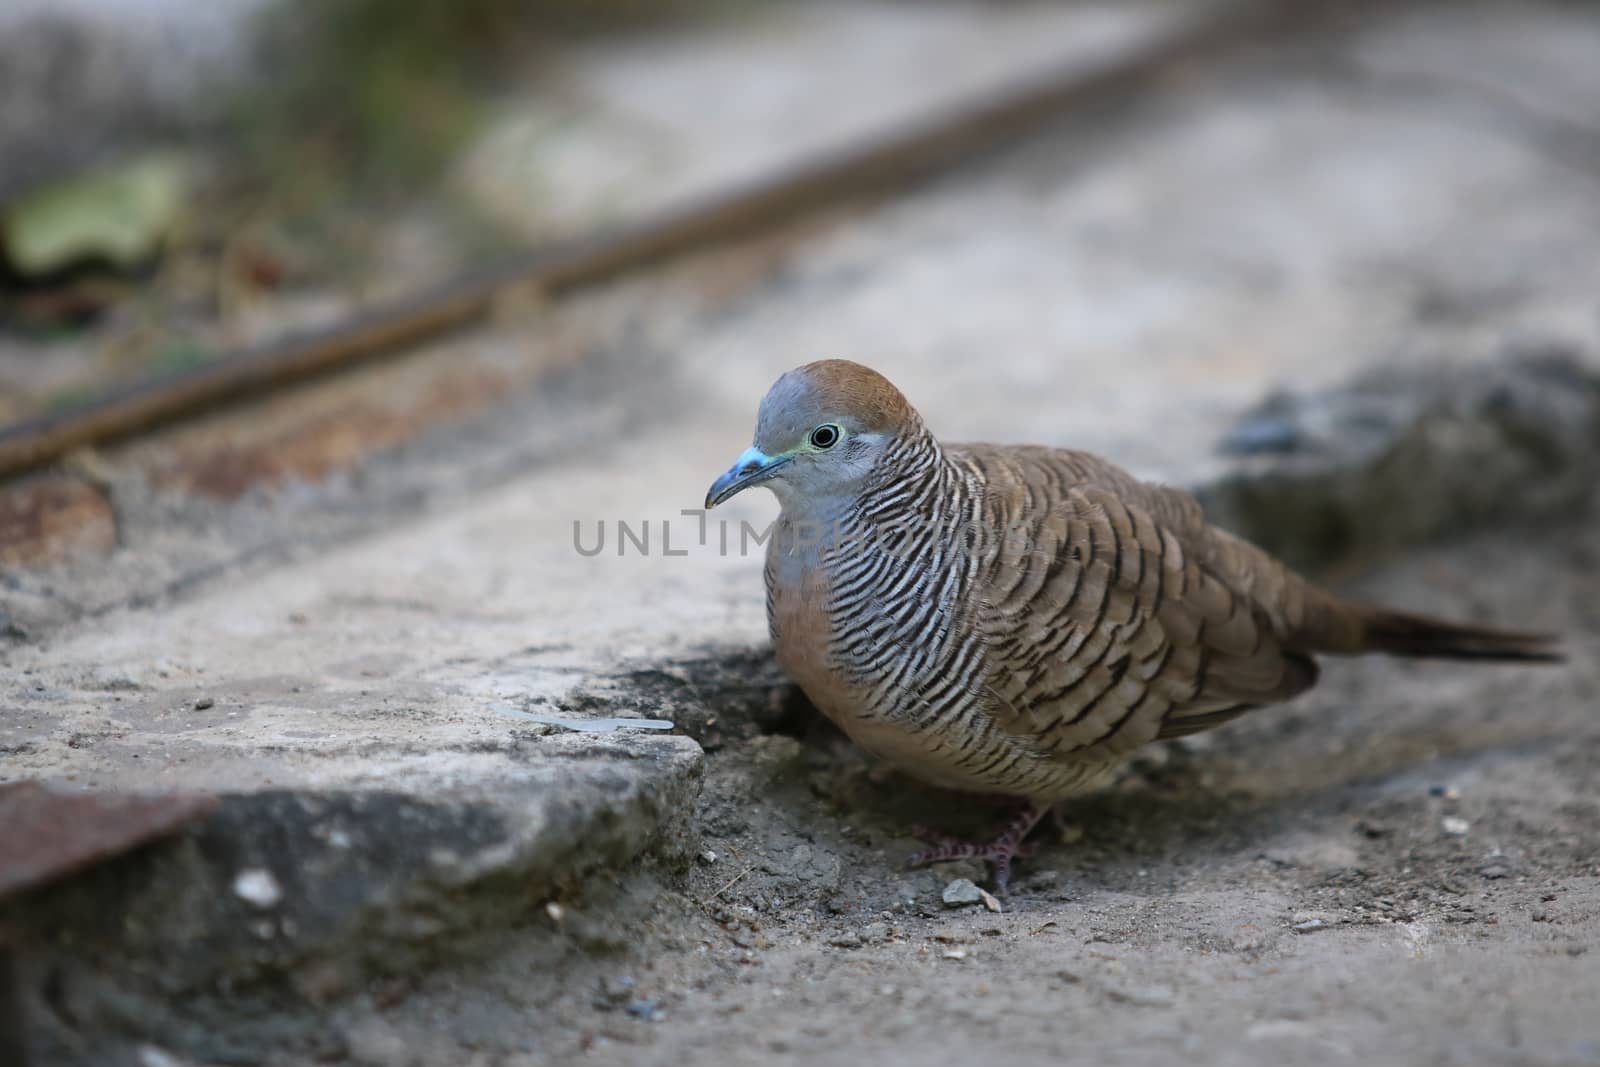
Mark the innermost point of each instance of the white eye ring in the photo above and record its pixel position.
(825, 436)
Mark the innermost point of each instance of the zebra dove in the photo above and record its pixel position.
(1015, 620)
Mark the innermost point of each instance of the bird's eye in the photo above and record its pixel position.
(825, 436)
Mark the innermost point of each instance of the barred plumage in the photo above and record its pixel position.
(1017, 619)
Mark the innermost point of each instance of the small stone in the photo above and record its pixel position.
(257, 886)
(616, 990)
(961, 892)
(373, 1041)
(955, 953)
(1306, 926)
(951, 935)
(647, 1010)
(873, 932)
(555, 911)
(150, 1056)
(204, 703)
(1143, 996)
(848, 939)
(708, 857)
(989, 900)
(1541, 916)
(1454, 826)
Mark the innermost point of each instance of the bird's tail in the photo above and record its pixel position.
(1329, 624)
(1399, 633)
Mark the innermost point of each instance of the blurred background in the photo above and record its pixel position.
(179, 180)
(323, 322)
(1166, 214)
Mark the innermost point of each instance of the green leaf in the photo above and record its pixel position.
(121, 215)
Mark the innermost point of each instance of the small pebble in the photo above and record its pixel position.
(961, 892)
(848, 939)
(1308, 925)
(150, 1056)
(257, 886)
(618, 989)
(648, 1010)
(1454, 826)
(955, 954)
(708, 857)
(1145, 996)
(203, 703)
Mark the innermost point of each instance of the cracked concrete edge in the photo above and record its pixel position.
(299, 896)
(1407, 456)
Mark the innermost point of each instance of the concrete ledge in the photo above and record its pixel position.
(288, 897)
(1402, 457)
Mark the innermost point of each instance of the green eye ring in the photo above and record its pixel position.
(825, 437)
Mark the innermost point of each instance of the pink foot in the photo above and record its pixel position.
(997, 853)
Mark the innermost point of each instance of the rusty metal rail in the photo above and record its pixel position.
(46, 834)
(855, 173)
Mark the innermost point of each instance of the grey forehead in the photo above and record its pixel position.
(790, 408)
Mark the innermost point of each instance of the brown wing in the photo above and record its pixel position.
(1112, 616)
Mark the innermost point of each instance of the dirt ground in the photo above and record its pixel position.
(1404, 866)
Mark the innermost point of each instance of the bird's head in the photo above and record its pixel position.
(820, 431)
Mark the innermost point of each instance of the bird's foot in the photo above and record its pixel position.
(997, 853)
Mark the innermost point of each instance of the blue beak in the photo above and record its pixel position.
(752, 466)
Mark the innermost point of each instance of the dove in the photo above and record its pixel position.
(1015, 620)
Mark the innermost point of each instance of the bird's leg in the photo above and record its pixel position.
(998, 853)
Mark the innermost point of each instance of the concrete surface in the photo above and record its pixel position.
(651, 123)
(362, 639)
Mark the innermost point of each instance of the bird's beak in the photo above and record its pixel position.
(752, 466)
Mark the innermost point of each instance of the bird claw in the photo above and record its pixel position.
(998, 853)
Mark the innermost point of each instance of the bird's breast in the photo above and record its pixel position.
(860, 630)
